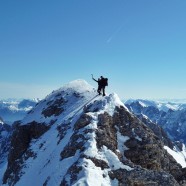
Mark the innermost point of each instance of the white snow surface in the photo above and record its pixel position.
(179, 156)
(69, 92)
(79, 85)
(121, 140)
(48, 166)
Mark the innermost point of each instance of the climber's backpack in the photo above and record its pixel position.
(106, 81)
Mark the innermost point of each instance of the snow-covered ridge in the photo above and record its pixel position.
(68, 99)
(77, 137)
(71, 101)
(71, 98)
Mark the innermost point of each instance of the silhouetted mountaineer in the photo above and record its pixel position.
(102, 83)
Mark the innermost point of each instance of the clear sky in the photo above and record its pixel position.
(140, 45)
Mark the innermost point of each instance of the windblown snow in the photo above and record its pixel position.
(47, 167)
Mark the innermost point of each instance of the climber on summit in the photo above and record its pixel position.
(102, 82)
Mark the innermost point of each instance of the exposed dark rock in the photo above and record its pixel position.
(73, 171)
(42, 144)
(151, 165)
(77, 142)
(46, 182)
(62, 131)
(144, 147)
(143, 177)
(106, 133)
(158, 131)
(179, 145)
(99, 163)
(19, 151)
(83, 121)
(52, 122)
(77, 95)
(54, 107)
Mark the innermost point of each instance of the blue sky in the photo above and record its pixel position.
(138, 44)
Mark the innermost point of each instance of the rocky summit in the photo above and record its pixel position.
(75, 137)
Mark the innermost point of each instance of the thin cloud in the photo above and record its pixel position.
(113, 35)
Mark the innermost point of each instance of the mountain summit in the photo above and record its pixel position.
(75, 137)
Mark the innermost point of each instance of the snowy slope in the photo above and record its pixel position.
(75, 137)
(47, 167)
(47, 164)
(179, 156)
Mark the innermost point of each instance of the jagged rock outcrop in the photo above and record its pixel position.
(19, 152)
(144, 147)
(143, 177)
(158, 131)
(74, 137)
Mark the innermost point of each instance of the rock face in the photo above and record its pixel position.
(144, 147)
(19, 152)
(74, 137)
(158, 131)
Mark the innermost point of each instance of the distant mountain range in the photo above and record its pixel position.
(170, 115)
(15, 109)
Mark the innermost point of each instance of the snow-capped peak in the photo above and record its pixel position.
(59, 113)
(69, 99)
(79, 85)
(76, 137)
(66, 100)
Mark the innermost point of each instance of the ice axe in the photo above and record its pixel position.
(92, 76)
